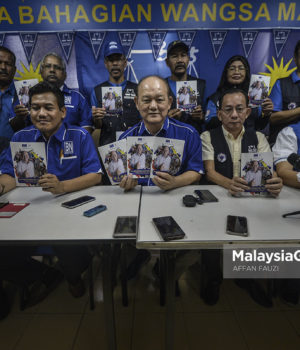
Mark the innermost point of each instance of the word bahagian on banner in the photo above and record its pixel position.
(34, 15)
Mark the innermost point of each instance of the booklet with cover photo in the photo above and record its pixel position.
(139, 156)
(256, 168)
(29, 160)
(114, 158)
(167, 155)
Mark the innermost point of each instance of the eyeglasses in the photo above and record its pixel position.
(238, 68)
(54, 66)
(229, 110)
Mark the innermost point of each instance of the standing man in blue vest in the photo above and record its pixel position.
(178, 60)
(285, 95)
(112, 125)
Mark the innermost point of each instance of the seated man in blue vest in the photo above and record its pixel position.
(285, 95)
(288, 142)
(66, 172)
(222, 148)
(153, 101)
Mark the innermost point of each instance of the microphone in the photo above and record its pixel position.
(294, 159)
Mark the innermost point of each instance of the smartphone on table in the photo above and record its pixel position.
(77, 202)
(237, 225)
(168, 228)
(126, 227)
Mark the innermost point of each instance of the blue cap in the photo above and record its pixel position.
(113, 47)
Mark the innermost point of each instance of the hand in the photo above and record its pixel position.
(2, 187)
(274, 186)
(21, 111)
(175, 113)
(164, 180)
(198, 113)
(50, 183)
(238, 185)
(128, 183)
(267, 107)
(98, 113)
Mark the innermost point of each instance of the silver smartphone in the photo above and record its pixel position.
(237, 225)
(77, 202)
(126, 227)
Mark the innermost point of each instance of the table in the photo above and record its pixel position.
(204, 226)
(44, 221)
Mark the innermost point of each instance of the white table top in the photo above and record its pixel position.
(46, 220)
(205, 224)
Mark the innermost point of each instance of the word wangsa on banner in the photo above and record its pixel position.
(149, 14)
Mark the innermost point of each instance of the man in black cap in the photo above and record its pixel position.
(112, 124)
(178, 60)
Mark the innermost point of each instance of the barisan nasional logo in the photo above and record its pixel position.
(68, 100)
(221, 157)
(252, 149)
(292, 105)
(68, 148)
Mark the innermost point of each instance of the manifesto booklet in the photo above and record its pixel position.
(258, 89)
(112, 99)
(256, 169)
(22, 89)
(167, 155)
(114, 158)
(29, 160)
(186, 95)
(139, 156)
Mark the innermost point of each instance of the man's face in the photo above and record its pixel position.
(7, 69)
(114, 156)
(26, 157)
(233, 112)
(153, 101)
(115, 65)
(52, 71)
(166, 151)
(46, 116)
(139, 149)
(178, 61)
(255, 166)
(236, 73)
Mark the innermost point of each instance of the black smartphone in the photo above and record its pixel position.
(96, 210)
(168, 228)
(206, 196)
(126, 227)
(77, 202)
(3, 204)
(237, 225)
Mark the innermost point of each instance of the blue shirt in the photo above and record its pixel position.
(6, 112)
(70, 152)
(276, 94)
(78, 110)
(174, 129)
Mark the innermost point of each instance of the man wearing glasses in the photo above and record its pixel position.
(221, 153)
(53, 71)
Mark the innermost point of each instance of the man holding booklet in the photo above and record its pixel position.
(153, 101)
(222, 150)
(72, 165)
(180, 83)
